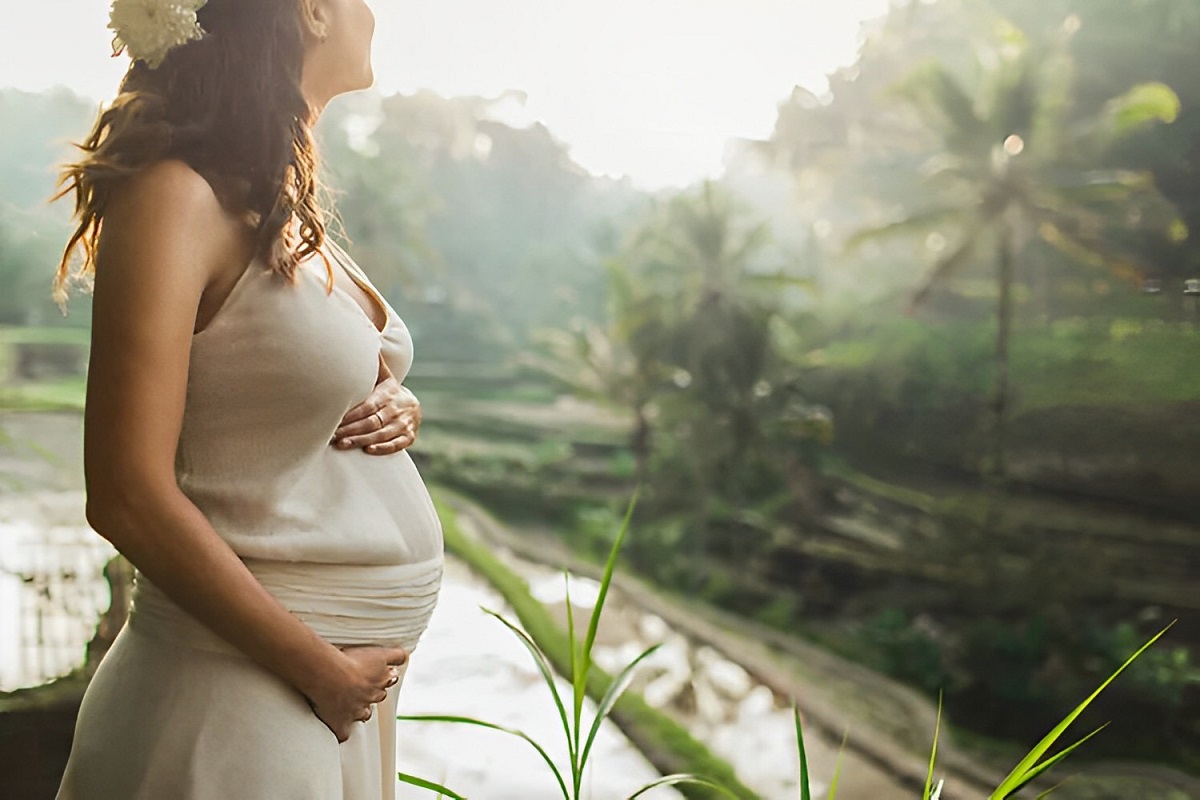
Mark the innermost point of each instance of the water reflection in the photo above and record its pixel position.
(722, 705)
(52, 590)
(715, 698)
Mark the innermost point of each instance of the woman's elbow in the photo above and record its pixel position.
(121, 511)
(109, 517)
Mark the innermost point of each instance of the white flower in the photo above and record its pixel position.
(148, 29)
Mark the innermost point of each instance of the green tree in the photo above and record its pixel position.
(382, 199)
(1011, 164)
(482, 231)
(35, 132)
(705, 291)
(619, 362)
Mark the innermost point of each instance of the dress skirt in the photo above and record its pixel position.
(174, 712)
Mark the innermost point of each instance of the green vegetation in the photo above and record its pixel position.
(1010, 169)
(696, 772)
(44, 366)
(815, 448)
(586, 679)
(1114, 363)
(64, 394)
(30, 335)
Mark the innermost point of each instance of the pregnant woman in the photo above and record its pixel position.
(246, 428)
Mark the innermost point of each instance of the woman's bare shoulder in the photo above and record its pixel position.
(169, 208)
(170, 183)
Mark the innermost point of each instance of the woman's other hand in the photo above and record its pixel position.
(350, 696)
(385, 423)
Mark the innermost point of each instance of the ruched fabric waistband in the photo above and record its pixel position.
(345, 604)
(348, 604)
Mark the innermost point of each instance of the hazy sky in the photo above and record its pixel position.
(648, 88)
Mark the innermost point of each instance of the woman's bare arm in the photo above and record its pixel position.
(164, 240)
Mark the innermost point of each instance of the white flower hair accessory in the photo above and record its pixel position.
(149, 29)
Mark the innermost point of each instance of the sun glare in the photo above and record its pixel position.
(652, 90)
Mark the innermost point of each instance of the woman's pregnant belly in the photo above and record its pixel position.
(335, 507)
(389, 596)
(401, 500)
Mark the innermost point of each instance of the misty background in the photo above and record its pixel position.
(892, 312)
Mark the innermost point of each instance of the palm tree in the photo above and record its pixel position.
(718, 293)
(690, 304)
(1013, 165)
(718, 288)
(691, 349)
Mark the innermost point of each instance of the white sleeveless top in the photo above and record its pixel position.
(270, 379)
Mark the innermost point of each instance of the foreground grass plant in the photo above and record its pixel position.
(579, 744)
(1027, 769)
(579, 737)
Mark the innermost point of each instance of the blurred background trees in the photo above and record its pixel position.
(972, 255)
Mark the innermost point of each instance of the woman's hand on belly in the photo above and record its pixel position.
(349, 695)
(385, 423)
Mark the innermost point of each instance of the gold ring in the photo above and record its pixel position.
(379, 417)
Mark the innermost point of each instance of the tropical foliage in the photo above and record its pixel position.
(812, 454)
(1017, 171)
(579, 669)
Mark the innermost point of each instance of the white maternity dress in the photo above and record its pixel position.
(348, 542)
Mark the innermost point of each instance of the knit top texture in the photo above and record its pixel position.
(270, 379)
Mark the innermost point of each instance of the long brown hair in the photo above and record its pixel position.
(230, 106)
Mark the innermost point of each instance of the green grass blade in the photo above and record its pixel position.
(1050, 762)
(543, 665)
(674, 780)
(573, 738)
(442, 791)
(615, 690)
(1051, 790)
(1015, 777)
(609, 566)
(937, 729)
(580, 676)
(805, 790)
(837, 767)
(494, 727)
(570, 623)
